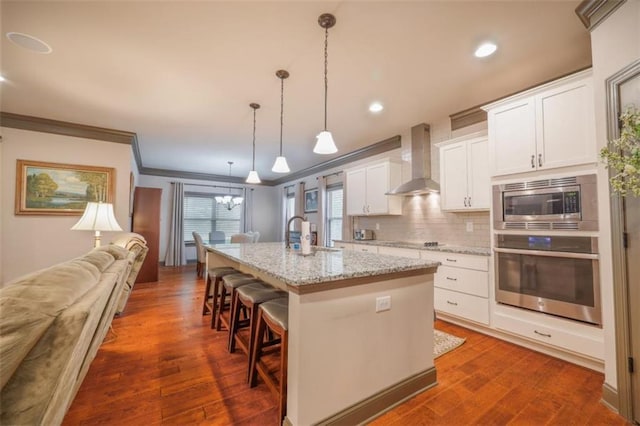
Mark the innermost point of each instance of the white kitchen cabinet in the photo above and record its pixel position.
(546, 127)
(366, 188)
(365, 248)
(461, 285)
(464, 174)
(343, 246)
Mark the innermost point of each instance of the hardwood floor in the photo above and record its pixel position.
(162, 364)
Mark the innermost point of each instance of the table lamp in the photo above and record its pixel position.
(97, 217)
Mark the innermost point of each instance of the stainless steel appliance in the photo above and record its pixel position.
(553, 274)
(568, 203)
(363, 234)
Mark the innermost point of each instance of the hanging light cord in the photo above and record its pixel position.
(281, 111)
(326, 81)
(254, 139)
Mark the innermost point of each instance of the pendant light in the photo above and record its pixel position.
(253, 175)
(325, 143)
(229, 201)
(281, 166)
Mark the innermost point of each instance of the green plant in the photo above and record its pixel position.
(622, 155)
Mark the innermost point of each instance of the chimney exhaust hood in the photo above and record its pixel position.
(421, 182)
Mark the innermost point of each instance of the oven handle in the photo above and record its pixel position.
(593, 256)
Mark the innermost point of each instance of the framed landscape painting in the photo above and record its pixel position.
(311, 201)
(60, 189)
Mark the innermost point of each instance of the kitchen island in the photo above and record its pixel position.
(347, 362)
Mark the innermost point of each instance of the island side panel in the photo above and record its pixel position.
(341, 351)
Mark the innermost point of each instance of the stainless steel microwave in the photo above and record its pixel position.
(568, 203)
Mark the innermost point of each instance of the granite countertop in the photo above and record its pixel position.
(324, 265)
(446, 248)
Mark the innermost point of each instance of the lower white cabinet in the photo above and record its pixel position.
(565, 334)
(461, 285)
(365, 247)
(399, 251)
(341, 245)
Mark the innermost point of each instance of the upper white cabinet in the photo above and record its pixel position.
(464, 174)
(543, 128)
(366, 188)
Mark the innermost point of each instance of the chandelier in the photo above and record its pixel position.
(229, 201)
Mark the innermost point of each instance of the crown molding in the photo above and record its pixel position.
(45, 125)
(467, 117)
(593, 12)
(389, 144)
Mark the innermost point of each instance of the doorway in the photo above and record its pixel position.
(623, 89)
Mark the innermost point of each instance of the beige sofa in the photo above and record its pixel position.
(52, 323)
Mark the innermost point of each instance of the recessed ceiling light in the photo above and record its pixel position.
(485, 49)
(376, 107)
(29, 42)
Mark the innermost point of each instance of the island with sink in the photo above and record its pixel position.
(360, 326)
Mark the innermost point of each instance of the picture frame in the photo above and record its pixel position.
(311, 201)
(44, 188)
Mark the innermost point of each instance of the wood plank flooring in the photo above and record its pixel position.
(162, 364)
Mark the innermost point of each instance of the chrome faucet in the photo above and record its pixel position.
(286, 231)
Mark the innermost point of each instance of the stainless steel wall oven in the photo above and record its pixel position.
(557, 275)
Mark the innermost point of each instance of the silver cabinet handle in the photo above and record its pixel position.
(364, 209)
(469, 202)
(451, 260)
(539, 160)
(465, 201)
(541, 334)
(568, 255)
(452, 303)
(368, 208)
(533, 159)
(452, 279)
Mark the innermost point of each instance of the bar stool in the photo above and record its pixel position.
(214, 275)
(228, 286)
(250, 297)
(272, 315)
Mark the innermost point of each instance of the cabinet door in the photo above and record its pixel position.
(478, 181)
(377, 185)
(356, 191)
(453, 176)
(512, 136)
(565, 126)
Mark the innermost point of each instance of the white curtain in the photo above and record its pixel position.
(322, 210)
(175, 251)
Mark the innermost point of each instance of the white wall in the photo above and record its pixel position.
(30, 242)
(264, 213)
(615, 43)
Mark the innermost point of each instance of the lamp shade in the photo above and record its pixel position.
(253, 177)
(324, 143)
(280, 166)
(97, 217)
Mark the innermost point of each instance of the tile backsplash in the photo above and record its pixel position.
(422, 220)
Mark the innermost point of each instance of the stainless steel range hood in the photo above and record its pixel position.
(421, 182)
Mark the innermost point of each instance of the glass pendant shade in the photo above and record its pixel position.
(280, 166)
(253, 177)
(325, 143)
(237, 201)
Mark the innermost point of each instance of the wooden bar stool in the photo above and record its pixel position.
(272, 315)
(228, 286)
(250, 297)
(214, 275)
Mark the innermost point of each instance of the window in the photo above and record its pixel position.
(289, 203)
(334, 214)
(202, 214)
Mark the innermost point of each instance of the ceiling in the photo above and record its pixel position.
(181, 75)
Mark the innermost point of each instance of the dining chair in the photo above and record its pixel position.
(241, 238)
(201, 254)
(217, 237)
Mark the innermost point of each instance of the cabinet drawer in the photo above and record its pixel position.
(399, 251)
(463, 305)
(467, 281)
(469, 261)
(551, 335)
(344, 246)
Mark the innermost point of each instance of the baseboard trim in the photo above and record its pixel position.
(610, 398)
(383, 401)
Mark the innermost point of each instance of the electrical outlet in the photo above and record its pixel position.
(469, 226)
(383, 303)
(377, 226)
